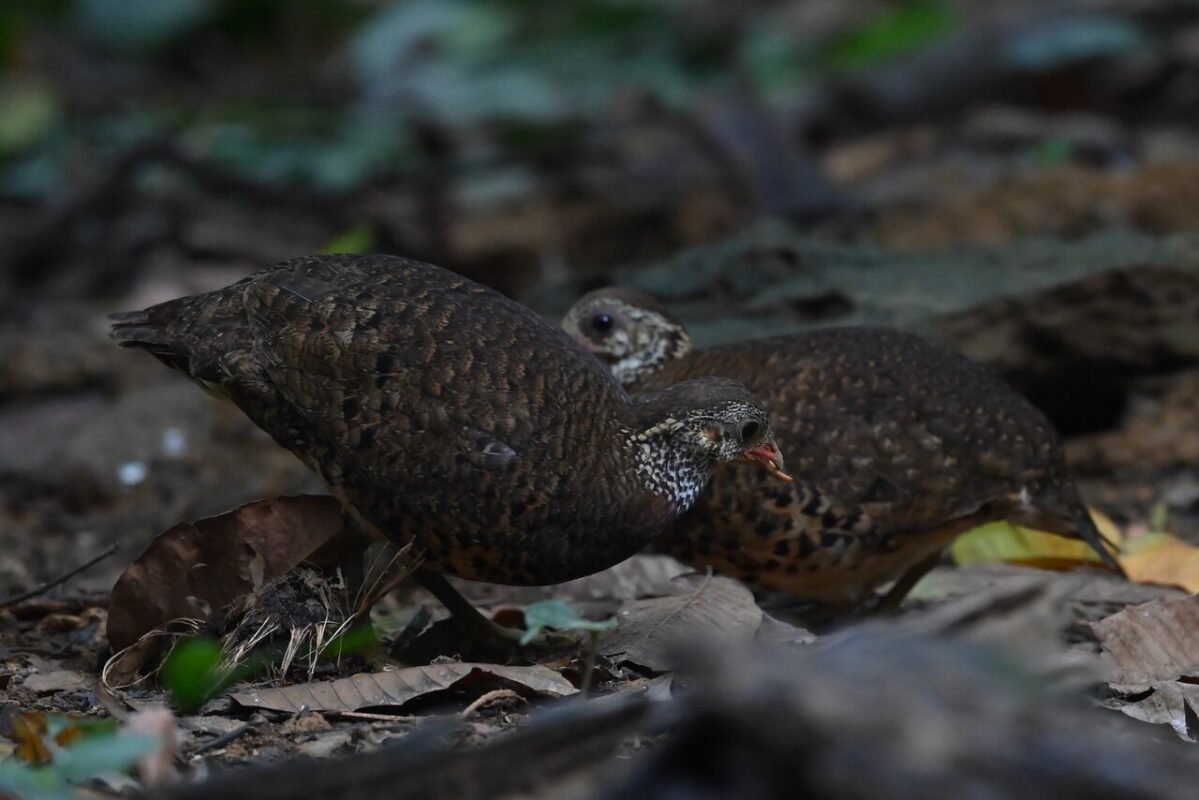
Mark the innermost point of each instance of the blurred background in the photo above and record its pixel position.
(1018, 179)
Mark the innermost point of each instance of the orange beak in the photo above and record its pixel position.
(768, 456)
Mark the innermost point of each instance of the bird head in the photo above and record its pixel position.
(690, 427)
(629, 331)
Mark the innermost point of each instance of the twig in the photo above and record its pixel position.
(368, 715)
(222, 740)
(488, 698)
(45, 587)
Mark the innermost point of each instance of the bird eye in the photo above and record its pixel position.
(602, 322)
(750, 431)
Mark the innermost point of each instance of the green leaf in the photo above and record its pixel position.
(560, 615)
(1051, 152)
(358, 638)
(359, 239)
(192, 673)
(1003, 541)
(30, 111)
(101, 754)
(1073, 38)
(898, 30)
(32, 783)
(140, 25)
(95, 755)
(84, 727)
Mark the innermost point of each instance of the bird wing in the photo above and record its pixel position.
(376, 361)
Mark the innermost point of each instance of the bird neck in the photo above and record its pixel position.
(669, 463)
(650, 352)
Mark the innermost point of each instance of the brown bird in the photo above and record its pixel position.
(439, 412)
(896, 444)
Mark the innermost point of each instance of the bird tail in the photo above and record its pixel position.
(154, 331)
(191, 334)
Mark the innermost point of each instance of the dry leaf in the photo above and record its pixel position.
(1164, 559)
(54, 681)
(1157, 641)
(1168, 703)
(773, 631)
(196, 568)
(649, 632)
(397, 687)
(28, 730)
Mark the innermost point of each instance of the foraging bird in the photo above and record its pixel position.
(442, 413)
(896, 444)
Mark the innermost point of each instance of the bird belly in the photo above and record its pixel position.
(801, 556)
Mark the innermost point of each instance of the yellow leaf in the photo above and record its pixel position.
(1164, 559)
(1110, 530)
(1003, 541)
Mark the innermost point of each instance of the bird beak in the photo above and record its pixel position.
(768, 456)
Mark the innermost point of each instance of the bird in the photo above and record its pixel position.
(896, 445)
(443, 414)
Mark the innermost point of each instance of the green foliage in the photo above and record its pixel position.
(1073, 38)
(30, 113)
(80, 727)
(16, 20)
(111, 751)
(1051, 152)
(463, 62)
(900, 29)
(139, 25)
(192, 672)
(559, 615)
(359, 638)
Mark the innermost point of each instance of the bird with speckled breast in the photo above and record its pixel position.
(896, 444)
(441, 413)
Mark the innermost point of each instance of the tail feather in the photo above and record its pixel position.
(152, 332)
(190, 334)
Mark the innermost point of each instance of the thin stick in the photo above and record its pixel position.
(375, 717)
(222, 740)
(490, 697)
(45, 587)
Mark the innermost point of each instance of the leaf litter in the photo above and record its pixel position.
(393, 689)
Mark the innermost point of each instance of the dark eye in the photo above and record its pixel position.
(750, 431)
(602, 322)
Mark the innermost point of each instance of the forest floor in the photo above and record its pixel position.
(1058, 246)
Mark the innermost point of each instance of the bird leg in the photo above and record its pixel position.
(891, 601)
(475, 627)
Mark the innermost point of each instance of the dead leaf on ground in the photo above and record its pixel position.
(1097, 596)
(1158, 558)
(1163, 559)
(650, 632)
(1157, 641)
(196, 568)
(638, 577)
(1170, 703)
(397, 687)
(774, 631)
(55, 681)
